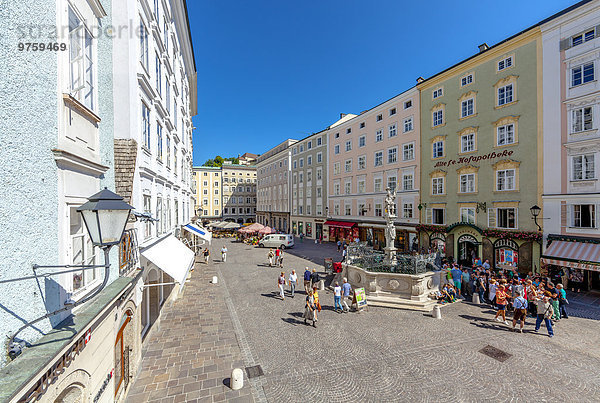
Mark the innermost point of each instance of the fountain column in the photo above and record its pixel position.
(390, 229)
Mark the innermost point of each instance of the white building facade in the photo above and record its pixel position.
(571, 158)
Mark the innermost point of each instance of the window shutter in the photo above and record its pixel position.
(565, 44)
(444, 216)
(491, 218)
(564, 213)
(595, 213)
(428, 216)
(517, 218)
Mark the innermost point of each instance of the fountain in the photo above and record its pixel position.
(390, 228)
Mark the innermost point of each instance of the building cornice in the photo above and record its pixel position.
(66, 159)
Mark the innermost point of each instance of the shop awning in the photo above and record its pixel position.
(172, 257)
(340, 224)
(578, 255)
(198, 231)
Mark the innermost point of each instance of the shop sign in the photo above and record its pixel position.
(361, 297)
(104, 385)
(59, 367)
(474, 158)
(467, 231)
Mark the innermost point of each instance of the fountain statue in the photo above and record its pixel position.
(390, 229)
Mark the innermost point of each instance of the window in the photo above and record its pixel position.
(309, 160)
(438, 117)
(582, 119)
(301, 161)
(582, 74)
(466, 80)
(336, 168)
(378, 210)
(348, 166)
(505, 63)
(319, 141)
(301, 148)
(437, 215)
(81, 57)
(336, 149)
(408, 151)
(506, 218)
(467, 214)
(336, 189)
(392, 130)
(348, 209)
(391, 183)
(581, 38)
(392, 155)
(438, 149)
(348, 145)
(407, 104)
(337, 135)
(407, 210)
(146, 125)
(157, 12)
(392, 111)
(583, 167)
(348, 187)
(159, 216)
(379, 135)
(506, 135)
(378, 158)
(143, 45)
(467, 143)
(295, 150)
(336, 209)
(584, 216)
(361, 209)
(408, 124)
(362, 140)
(295, 164)
(505, 180)
(362, 125)
(148, 223)
(379, 118)
(407, 182)
(159, 139)
(168, 140)
(82, 251)
(349, 130)
(378, 185)
(319, 157)
(437, 93)
(467, 108)
(319, 174)
(361, 187)
(437, 186)
(158, 75)
(467, 183)
(309, 145)
(362, 162)
(505, 95)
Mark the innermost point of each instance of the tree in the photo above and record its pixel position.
(218, 161)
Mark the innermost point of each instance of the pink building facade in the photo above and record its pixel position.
(377, 149)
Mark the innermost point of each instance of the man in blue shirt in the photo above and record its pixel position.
(456, 277)
(486, 264)
(346, 288)
(307, 280)
(465, 283)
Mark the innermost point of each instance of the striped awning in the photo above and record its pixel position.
(577, 255)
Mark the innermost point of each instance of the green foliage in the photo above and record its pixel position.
(218, 161)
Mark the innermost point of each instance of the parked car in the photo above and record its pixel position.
(281, 241)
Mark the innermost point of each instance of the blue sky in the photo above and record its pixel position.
(277, 69)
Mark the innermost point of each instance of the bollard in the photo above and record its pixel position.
(237, 379)
(476, 299)
(215, 280)
(321, 285)
(437, 312)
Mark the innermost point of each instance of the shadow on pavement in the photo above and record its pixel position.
(273, 294)
(292, 321)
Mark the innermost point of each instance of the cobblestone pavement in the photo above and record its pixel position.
(193, 352)
(395, 355)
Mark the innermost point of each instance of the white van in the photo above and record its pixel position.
(281, 241)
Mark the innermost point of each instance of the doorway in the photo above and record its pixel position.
(467, 250)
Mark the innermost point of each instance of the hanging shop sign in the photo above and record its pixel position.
(474, 158)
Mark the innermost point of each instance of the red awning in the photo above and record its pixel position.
(578, 255)
(340, 224)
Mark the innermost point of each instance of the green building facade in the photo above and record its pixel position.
(481, 155)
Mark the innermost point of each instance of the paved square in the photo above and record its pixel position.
(387, 354)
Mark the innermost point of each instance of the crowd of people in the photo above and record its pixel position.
(507, 291)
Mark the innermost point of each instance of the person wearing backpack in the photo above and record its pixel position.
(307, 280)
(314, 278)
(544, 313)
(520, 308)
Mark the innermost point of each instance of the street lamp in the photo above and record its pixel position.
(535, 212)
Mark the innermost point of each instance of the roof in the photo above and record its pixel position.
(239, 166)
(187, 20)
(560, 13)
(203, 167)
(125, 157)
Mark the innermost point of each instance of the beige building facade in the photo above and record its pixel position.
(207, 188)
(239, 193)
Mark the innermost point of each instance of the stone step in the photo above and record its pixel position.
(401, 303)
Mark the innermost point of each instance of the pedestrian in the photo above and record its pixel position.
(307, 274)
(280, 260)
(465, 282)
(493, 288)
(206, 255)
(293, 280)
(456, 278)
(339, 244)
(562, 301)
(337, 298)
(271, 256)
(486, 264)
(501, 301)
(301, 237)
(280, 284)
(224, 253)
(309, 309)
(544, 313)
(277, 253)
(520, 307)
(314, 278)
(344, 253)
(315, 293)
(346, 288)
(531, 295)
(481, 288)
(554, 301)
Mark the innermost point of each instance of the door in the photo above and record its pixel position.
(466, 250)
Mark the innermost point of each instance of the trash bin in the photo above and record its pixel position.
(328, 265)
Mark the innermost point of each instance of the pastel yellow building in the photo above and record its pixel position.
(207, 189)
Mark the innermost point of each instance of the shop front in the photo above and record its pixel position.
(341, 231)
(463, 242)
(573, 261)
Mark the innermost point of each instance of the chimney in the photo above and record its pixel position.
(483, 46)
(342, 115)
(420, 80)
